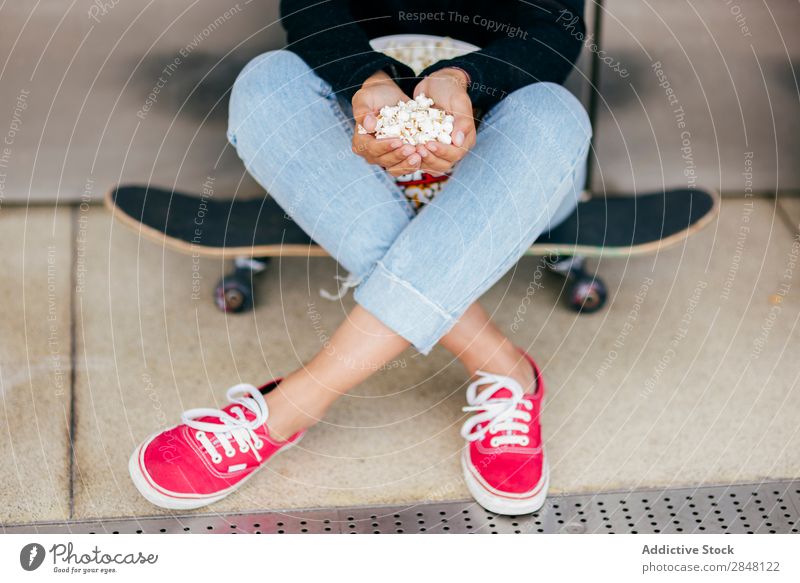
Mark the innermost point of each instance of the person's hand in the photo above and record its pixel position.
(390, 153)
(448, 89)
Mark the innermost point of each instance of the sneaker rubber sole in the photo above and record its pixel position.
(505, 504)
(171, 500)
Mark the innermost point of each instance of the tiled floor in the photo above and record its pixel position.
(791, 211)
(35, 349)
(688, 377)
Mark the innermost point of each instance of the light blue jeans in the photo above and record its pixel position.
(417, 273)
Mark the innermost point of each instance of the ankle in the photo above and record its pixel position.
(511, 363)
(283, 425)
(524, 374)
(294, 407)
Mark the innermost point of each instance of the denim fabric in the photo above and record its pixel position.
(417, 273)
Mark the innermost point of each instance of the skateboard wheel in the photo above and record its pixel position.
(233, 295)
(587, 295)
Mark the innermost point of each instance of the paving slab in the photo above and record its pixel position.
(34, 364)
(790, 205)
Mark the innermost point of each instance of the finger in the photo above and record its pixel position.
(362, 111)
(360, 146)
(370, 148)
(463, 137)
(464, 123)
(370, 122)
(422, 150)
(468, 141)
(421, 88)
(395, 157)
(463, 127)
(435, 165)
(407, 166)
(446, 151)
(378, 147)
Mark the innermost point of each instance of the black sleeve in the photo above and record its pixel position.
(544, 47)
(324, 35)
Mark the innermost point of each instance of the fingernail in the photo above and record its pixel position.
(396, 144)
(431, 147)
(423, 152)
(458, 139)
(407, 150)
(414, 160)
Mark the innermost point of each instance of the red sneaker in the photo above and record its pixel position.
(504, 463)
(210, 454)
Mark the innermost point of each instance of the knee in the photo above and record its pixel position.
(265, 90)
(549, 113)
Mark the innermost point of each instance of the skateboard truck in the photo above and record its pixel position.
(587, 292)
(234, 292)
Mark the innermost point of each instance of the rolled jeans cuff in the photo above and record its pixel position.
(403, 308)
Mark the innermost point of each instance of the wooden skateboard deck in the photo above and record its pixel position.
(601, 226)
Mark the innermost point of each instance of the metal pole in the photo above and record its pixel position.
(594, 89)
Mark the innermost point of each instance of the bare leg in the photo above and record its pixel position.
(362, 345)
(480, 345)
(359, 347)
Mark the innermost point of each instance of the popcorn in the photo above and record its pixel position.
(414, 122)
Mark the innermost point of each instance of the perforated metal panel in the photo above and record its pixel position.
(751, 508)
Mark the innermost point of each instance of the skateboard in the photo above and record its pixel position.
(252, 231)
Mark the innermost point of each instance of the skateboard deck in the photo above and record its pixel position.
(601, 226)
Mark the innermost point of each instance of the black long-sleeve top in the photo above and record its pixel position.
(522, 41)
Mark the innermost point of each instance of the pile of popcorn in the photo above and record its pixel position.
(414, 122)
(423, 53)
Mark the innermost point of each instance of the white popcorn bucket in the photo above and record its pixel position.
(419, 51)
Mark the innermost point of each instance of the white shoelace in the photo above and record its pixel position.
(238, 428)
(502, 417)
(347, 282)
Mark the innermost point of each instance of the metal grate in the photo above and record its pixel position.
(745, 508)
